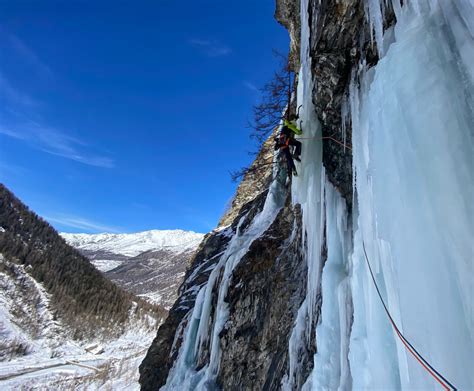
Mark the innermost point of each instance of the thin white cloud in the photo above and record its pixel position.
(251, 86)
(81, 223)
(11, 170)
(212, 48)
(28, 55)
(56, 143)
(14, 96)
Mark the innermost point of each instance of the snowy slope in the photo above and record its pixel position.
(150, 264)
(37, 351)
(133, 244)
(27, 324)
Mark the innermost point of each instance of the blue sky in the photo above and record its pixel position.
(128, 116)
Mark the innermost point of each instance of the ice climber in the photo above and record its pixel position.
(284, 141)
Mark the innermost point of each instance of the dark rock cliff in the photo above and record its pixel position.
(340, 38)
(268, 287)
(287, 13)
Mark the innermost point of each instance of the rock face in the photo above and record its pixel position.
(256, 180)
(287, 13)
(247, 203)
(340, 38)
(267, 289)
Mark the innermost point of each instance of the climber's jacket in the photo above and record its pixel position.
(283, 141)
(286, 136)
(291, 126)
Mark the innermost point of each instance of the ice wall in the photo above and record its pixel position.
(412, 118)
(412, 129)
(308, 191)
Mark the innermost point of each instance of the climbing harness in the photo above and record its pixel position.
(433, 372)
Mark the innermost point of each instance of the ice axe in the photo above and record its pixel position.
(298, 116)
(298, 111)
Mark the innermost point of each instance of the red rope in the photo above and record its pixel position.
(326, 138)
(433, 372)
(337, 141)
(420, 361)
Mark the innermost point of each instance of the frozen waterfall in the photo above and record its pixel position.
(412, 119)
(412, 130)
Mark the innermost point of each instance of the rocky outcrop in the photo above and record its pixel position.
(287, 13)
(162, 353)
(256, 180)
(267, 289)
(248, 201)
(340, 38)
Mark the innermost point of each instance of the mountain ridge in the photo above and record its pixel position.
(133, 244)
(150, 264)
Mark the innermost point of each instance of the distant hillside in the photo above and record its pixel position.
(79, 295)
(134, 244)
(151, 264)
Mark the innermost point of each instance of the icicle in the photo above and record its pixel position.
(331, 365)
(307, 190)
(374, 12)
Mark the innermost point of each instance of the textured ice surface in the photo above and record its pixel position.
(412, 142)
(412, 120)
(307, 190)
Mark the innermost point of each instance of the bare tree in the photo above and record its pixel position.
(276, 97)
(251, 170)
(268, 113)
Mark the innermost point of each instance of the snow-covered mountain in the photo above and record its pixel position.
(131, 245)
(150, 264)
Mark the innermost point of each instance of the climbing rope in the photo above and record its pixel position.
(433, 372)
(325, 138)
